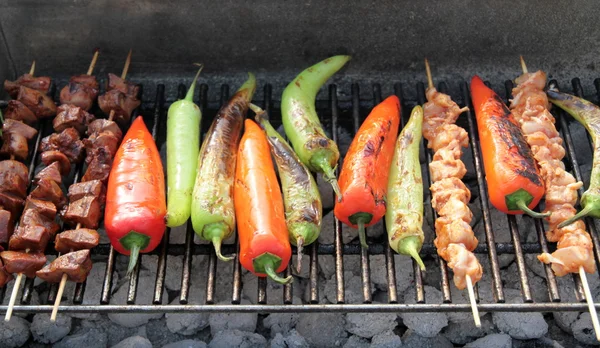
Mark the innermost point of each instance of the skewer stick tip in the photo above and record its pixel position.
(126, 67)
(13, 297)
(590, 302)
(428, 72)
(61, 289)
(32, 69)
(523, 65)
(473, 302)
(93, 62)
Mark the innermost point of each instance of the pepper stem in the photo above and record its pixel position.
(582, 213)
(133, 257)
(217, 244)
(410, 246)
(534, 214)
(190, 93)
(299, 245)
(267, 263)
(360, 219)
(216, 232)
(134, 242)
(329, 176)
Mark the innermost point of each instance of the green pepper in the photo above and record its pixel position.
(301, 122)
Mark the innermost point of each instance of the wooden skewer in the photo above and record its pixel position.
(61, 289)
(590, 302)
(473, 302)
(523, 65)
(32, 69)
(123, 75)
(93, 62)
(428, 71)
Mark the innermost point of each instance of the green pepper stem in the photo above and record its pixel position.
(217, 244)
(582, 213)
(268, 263)
(410, 246)
(329, 176)
(362, 234)
(215, 232)
(299, 245)
(534, 214)
(134, 242)
(249, 85)
(133, 258)
(190, 93)
(360, 219)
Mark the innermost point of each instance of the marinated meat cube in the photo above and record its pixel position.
(39, 103)
(76, 265)
(81, 91)
(84, 211)
(34, 238)
(94, 188)
(48, 190)
(22, 262)
(34, 218)
(71, 116)
(104, 125)
(82, 238)
(7, 226)
(50, 157)
(40, 83)
(102, 139)
(51, 172)
(14, 145)
(129, 89)
(11, 203)
(5, 277)
(66, 142)
(99, 162)
(44, 208)
(18, 127)
(14, 178)
(19, 112)
(120, 103)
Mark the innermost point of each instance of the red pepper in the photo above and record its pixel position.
(135, 199)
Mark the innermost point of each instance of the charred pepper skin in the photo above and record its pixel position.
(404, 214)
(588, 114)
(301, 122)
(301, 197)
(135, 209)
(213, 215)
(183, 145)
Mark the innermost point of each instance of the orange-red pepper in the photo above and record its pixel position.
(364, 176)
(264, 240)
(135, 210)
(513, 179)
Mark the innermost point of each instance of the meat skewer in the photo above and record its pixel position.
(455, 240)
(93, 240)
(35, 231)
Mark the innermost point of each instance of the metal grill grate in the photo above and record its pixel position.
(347, 111)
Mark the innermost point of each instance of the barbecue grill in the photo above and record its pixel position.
(343, 104)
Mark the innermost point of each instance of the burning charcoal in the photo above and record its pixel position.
(13, 178)
(48, 190)
(76, 265)
(71, 116)
(21, 262)
(44, 208)
(104, 125)
(81, 91)
(51, 172)
(66, 142)
(39, 103)
(94, 188)
(15, 145)
(81, 238)
(19, 112)
(7, 225)
(49, 157)
(18, 127)
(34, 238)
(102, 139)
(39, 83)
(11, 203)
(5, 277)
(85, 211)
(99, 163)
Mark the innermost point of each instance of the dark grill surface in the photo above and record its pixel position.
(339, 109)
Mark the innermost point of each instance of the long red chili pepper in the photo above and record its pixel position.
(264, 240)
(135, 199)
(364, 176)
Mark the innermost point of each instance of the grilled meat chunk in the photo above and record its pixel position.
(22, 262)
(34, 238)
(39, 103)
(14, 177)
(71, 116)
(39, 83)
(129, 89)
(33, 217)
(17, 127)
(51, 172)
(79, 239)
(99, 162)
(5, 277)
(11, 203)
(19, 112)
(104, 125)
(85, 211)
(81, 91)
(120, 103)
(76, 265)
(102, 139)
(50, 157)
(66, 142)
(94, 188)
(44, 208)
(7, 226)
(48, 190)
(14, 145)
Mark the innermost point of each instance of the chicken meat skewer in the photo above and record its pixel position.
(455, 240)
(574, 253)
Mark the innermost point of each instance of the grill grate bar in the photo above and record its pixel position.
(483, 198)
(236, 287)
(337, 224)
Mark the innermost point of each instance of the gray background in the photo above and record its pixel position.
(387, 39)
